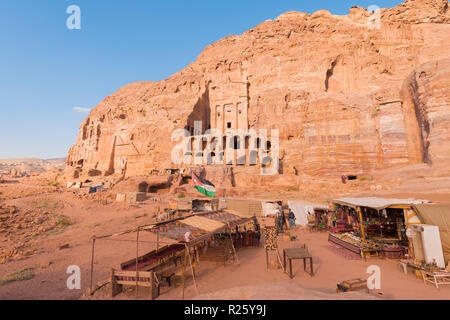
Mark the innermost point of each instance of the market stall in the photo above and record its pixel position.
(218, 233)
(372, 226)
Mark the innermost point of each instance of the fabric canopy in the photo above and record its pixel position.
(270, 208)
(302, 209)
(200, 226)
(437, 215)
(203, 223)
(377, 203)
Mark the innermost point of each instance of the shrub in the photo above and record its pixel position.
(22, 275)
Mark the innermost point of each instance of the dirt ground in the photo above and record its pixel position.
(250, 279)
(44, 257)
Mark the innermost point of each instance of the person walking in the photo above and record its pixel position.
(291, 218)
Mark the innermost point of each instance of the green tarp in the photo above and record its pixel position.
(437, 215)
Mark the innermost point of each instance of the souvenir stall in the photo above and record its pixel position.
(216, 234)
(342, 220)
(371, 226)
(322, 219)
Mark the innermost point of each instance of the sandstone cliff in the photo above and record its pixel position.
(348, 96)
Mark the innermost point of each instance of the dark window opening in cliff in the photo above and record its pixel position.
(80, 162)
(229, 125)
(185, 180)
(143, 187)
(247, 142)
(237, 143)
(258, 143)
(329, 75)
(122, 116)
(94, 173)
(160, 188)
(268, 146)
(352, 177)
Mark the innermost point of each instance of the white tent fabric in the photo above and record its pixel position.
(301, 211)
(270, 208)
(377, 203)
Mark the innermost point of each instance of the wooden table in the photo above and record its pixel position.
(301, 253)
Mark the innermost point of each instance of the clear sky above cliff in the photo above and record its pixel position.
(51, 76)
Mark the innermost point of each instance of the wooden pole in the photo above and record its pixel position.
(92, 265)
(232, 246)
(410, 243)
(157, 241)
(279, 260)
(182, 274)
(363, 235)
(192, 268)
(137, 262)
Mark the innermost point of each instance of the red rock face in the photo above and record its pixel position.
(346, 97)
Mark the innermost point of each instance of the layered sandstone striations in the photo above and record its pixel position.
(348, 97)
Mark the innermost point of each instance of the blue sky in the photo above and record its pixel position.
(47, 70)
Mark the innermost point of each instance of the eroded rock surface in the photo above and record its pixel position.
(347, 97)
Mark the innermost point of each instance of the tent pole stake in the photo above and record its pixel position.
(92, 265)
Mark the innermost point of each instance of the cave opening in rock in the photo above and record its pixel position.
(237, 143)
(159, 188)
(329, 74)
(143, 187)
(185, 180)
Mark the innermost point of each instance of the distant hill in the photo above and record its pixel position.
(31, 165)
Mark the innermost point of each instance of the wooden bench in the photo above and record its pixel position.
(128, 278)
